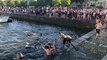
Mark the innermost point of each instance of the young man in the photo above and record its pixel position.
(98, 27)
(63, 37)
(47, 50)
(69, 38)
(50, 49)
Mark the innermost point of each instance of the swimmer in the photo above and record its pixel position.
(50, 49)
(19, 56)
(47, 50)
(27, 45)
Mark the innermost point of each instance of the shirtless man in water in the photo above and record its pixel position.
(50, 49)
(98, 28)
(47, 50)
(65, 38)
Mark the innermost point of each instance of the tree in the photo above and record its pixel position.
(33, 3)
(17, 2)
(49, 2)
(65, 2)
(23, 3)
(81, 1)
(11, 3)
(41, 2)
(95, 1)
(3, 3)
(56, 2)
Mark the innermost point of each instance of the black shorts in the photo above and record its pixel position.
(69, 41)
(98, 31)
(64, 40)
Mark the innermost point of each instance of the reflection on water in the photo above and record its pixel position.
(13, 38)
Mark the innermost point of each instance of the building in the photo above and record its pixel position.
(100, 3)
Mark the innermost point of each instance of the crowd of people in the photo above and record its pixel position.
(64, 12)
(100, 15)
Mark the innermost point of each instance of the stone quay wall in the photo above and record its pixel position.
(64, 22)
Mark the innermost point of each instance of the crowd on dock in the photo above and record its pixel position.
(64, 12)
(89, 14)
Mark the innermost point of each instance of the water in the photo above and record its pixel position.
(13, 38)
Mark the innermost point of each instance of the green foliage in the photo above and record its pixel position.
(95, 0)
(11, 3)
(41, 2)
(23, 3)
(18, 2)
(49, 2)
(79, 1)
(3, 3)
(65, 2)
(33, 3)
(56, 2)
(61, 2)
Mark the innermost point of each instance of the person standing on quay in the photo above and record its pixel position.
(98, 27)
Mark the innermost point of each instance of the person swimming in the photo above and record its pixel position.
(19, 56)
(28, 33)
(27, 45)
(50, 49)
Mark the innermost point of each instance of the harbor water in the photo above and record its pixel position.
(15, 35)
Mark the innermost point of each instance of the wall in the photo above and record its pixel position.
(65, 22)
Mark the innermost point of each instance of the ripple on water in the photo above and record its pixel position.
(13, 38)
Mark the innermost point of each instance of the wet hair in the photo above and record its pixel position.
(46, 47)
(50, 45)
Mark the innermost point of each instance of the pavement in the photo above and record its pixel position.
(96, 49)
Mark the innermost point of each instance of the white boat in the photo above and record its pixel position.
(4, 19)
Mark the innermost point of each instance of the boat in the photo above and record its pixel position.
(4, 19)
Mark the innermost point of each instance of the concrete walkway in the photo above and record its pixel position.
(101, 41)
(94, 48)
(104, 58)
